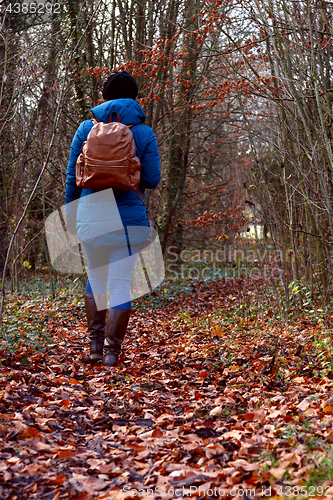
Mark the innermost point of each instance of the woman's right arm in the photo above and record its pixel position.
(72, 191)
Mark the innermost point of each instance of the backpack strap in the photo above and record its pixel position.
(117, 118)
(148, 213)
(143, 199)
(95, 121)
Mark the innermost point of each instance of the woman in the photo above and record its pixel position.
(113, 226)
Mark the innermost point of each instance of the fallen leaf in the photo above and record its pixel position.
(216, 411)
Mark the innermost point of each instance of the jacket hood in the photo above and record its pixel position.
(130, 111)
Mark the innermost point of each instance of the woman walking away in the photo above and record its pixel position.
(112, 224)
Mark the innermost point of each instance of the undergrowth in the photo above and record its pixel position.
(254, 305)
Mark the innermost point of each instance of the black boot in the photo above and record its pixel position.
(96, 326)
(115, 331)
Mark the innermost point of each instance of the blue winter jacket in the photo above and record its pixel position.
(130, 206)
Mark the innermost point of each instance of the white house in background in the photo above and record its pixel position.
(255, 232)
(255, 229)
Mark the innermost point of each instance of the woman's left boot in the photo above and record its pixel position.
(96, 326)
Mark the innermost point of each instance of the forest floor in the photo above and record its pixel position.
(214, 398)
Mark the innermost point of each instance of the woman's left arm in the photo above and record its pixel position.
(150, 163)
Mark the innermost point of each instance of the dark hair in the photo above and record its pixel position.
(120, 85)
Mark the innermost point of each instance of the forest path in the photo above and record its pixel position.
(206, 396)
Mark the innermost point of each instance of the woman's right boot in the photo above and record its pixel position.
(115, 332)
(96, 326)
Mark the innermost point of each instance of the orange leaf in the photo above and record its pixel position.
(65, 402)
(65, 453)
(234, 368)
(30, 432)
(157, 433)
(248, 416)
(136, 447)
(60, 479)
(73, 381)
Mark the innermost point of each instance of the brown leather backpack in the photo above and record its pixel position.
(108, 158)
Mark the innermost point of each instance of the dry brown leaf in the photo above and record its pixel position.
(157, 433)
(244, 464)
(216, 411)
(233, 434)
(304, 404)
